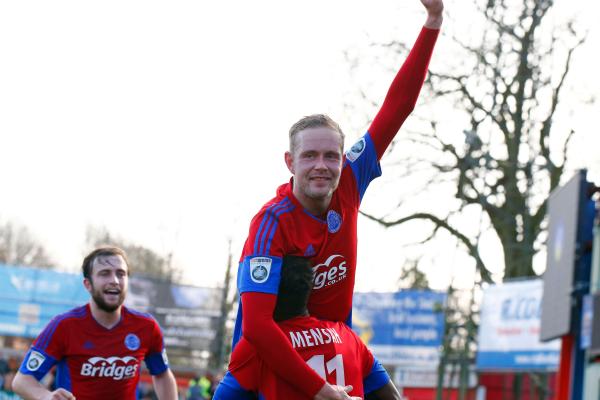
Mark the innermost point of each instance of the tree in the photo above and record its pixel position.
(501, 154)
(144, 261)
(19, 247)
(413, 278)
(506, 83)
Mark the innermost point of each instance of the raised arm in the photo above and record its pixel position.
(434, 13)
(404, 90)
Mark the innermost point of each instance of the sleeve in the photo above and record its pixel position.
(362, 159)
(403, 92)
(244, 365)
(47, 350)
(258, 283)
(156, 359)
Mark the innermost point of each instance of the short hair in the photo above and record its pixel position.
(294, 288)
(313, 121)
(101, 252)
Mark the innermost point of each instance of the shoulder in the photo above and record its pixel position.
(74, 315)
(61, 323)
(277, 206)
(272, 215)
(139, 316)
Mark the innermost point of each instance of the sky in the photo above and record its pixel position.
(166, 122)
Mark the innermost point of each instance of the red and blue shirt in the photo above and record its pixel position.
(94, 362)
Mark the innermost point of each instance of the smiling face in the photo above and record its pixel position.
(108, 282)
(316, 163)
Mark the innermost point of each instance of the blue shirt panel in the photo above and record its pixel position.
(259, 274)
(63, 375)
(362, 158)
(156, 363)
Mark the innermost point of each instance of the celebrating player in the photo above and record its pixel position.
(330, 348)
(98, 347)
(315, 215)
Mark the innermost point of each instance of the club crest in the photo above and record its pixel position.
(334, 221)
(132, 342)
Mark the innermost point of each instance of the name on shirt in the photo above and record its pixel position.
(314, 337)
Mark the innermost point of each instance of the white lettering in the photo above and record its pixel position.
(328, 273)
(335, 336)
(297, 340)
(325, 333)
(309, 342)
(317, 336)
(112, 367)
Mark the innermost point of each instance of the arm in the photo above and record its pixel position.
(30, 388)
(260, 330)
(165, 385)
(404, 90)
(386, 392)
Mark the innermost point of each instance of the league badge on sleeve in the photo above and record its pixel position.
(260, 268)
(35, 361)
(356, 150)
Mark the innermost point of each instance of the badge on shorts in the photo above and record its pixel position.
(356, 150)
(132, 342)
(334, 221)
(164, 357)
(35, 360)
(260, 268)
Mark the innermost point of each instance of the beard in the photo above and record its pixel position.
(98, 297)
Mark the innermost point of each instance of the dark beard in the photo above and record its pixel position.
(97, 297)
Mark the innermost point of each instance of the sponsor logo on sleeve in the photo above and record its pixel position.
(356, 150)
(35, 361)
(260, 268)
(132, 342)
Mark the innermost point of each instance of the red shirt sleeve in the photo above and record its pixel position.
(259, 328)
(244, 365)
(404, 91)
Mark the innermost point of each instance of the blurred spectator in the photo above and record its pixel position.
(201, 387)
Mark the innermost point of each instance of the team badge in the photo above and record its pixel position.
(356, 150)
(334, 221)
(260, 268)
(35, 360)
(132, 342)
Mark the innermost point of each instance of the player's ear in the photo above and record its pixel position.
(87, 284)
(289, 161)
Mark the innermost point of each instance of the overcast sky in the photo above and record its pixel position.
(166, 122)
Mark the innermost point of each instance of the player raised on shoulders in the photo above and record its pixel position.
(315, 215)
